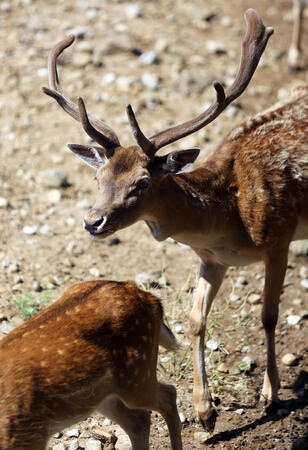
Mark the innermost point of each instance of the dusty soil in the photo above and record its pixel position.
(60, 253)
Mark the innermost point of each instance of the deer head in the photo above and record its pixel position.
(127, 177)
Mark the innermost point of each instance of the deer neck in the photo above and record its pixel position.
(188, 207)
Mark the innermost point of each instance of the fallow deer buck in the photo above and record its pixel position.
(246, 203)
(94, 349)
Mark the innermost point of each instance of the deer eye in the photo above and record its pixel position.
(143, 183)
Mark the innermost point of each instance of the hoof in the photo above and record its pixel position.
(269, 407)
(208, 420)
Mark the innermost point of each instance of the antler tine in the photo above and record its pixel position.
(98, 137)
(140, 138)
(57, 93)
(253, 46)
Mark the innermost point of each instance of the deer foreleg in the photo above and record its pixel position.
(274, 276)
(211, 276)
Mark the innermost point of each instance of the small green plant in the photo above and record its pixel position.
(243, 366)
(27, 304)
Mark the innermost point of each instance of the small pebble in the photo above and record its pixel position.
(6, 327)
(30, 229)
(93, 444)
(222, 368)
(73, 445)
(149, 57)
(3, 202)
(95, 272)
(182, 418)
(150, 81)
(212, 344)
(239, 411)
(241, 281)
(54, 196)
(215, 47)
(58, 447)
(293, 320)
(132, 11)
(254, 299)
(179, 329)
(304, 283)
(201, 436)
(73, 432)
(289, 359)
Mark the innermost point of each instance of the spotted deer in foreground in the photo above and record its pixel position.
(246, 203)
(94, 349)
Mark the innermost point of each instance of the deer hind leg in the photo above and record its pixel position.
(135, 422)
(211, 276)
(161, 397)
(274, 276)
(294, 54)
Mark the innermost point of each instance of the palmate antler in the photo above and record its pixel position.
(253, 46)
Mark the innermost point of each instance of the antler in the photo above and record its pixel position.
(94, 127)
(253, 46)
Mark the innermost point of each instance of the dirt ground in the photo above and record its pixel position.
(44, 248)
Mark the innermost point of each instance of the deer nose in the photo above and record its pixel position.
(94, 226)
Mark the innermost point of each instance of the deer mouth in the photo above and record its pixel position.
(102, 234)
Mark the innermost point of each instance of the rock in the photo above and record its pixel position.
(73, 432)
(241, 281)
(6, 327)
(42, 72)
(3, 202)
(95, 272)
(212, 344)
(123, 442)
(304, 283)
(144, 280)
(6, 7)
(132, 11)
(54, 196)
(226, 21)
(45, 230)
(58, 447)
(254, 299)
(53, 178)
(107, 422)
(201, 436)
(30, 229)
(73, 445)
(108, 78)
(150, 81)
(182, 417)
(13, 268)
(215, 47)
(303, 272)
(93, 444)
(222, 368)
(149, 57)
(303, 314)
(293, 320)
(234, 298)
(297, 301)
(161, 45)
(248, 362)
(299, 248)
(239, 411)
(289, 359)
(179, 329)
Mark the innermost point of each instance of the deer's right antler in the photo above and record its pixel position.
(253, 46)
(94, 127)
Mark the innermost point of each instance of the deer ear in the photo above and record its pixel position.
(180, 159)
(93, 156)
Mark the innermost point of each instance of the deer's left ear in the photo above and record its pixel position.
(91, 155)
(176, 161)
